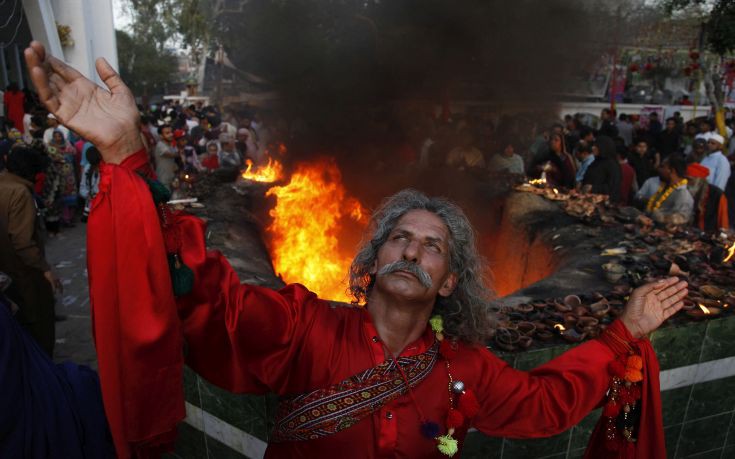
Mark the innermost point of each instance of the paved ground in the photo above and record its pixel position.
(67, 255)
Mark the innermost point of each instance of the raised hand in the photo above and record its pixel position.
(651, 304)
(108, 119)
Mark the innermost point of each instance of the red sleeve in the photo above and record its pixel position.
(135, 325)
(545, 401)
(239, 337)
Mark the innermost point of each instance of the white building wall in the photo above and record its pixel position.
(92, 30)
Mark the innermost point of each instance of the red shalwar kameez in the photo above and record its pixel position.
(250, 339)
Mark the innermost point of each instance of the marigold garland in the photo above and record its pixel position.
(662, 194)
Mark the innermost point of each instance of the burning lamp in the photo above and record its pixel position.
(703, 312)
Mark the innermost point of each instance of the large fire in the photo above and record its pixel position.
(308, 217)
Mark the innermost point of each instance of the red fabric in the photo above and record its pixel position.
(250, 339)
(211, 162)
(626, 183)
(14, 111)
(651, 443)
(697, 170)
(136, 330)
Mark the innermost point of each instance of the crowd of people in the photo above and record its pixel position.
(678, 172)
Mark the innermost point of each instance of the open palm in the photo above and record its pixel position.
(108, 119)
(651, 304)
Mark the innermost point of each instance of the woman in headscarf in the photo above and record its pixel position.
(65, 201)
(557, 163)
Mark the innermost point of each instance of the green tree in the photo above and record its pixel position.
(143, 66)
(717, 35)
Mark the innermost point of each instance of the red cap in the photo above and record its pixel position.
(179, 133)
(697, 170)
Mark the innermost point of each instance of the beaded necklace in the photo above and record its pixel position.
(662, 194)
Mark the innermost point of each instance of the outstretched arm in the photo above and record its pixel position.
(557, 395)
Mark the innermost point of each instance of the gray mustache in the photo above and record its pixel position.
(413, 268)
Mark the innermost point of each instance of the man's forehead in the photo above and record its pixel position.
(424, 221)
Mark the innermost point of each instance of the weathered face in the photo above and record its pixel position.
(641, 148)
(714, 145)
(419, 237)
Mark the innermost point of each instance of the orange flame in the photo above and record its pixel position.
(270, 173)
(730, 252)
(704, 309)
(559, 327)
(307, 220)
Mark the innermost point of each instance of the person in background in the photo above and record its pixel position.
(711, 207)
(89, 186)
(465, 155)
(507, 161)
(21, 248)
(211, 157)
(654, 125)
(672, 203)
(669, 141)
(608, 126)
(625, 129)
(52, 125)
(66, 198)
(228, 154)
(557, 164)
(583, 153)
(603, 175)
(14, 103)
(166, 154)
(643, 161)
(628, 183)
(716, 162)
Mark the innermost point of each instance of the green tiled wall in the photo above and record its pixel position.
(699, 419)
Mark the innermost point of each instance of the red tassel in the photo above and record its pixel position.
(448, 349)
(617, 369)
(455, 419)
(611, 409)
(468, 404)
(635, 362)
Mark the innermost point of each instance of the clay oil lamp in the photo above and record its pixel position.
(703, 312)
(600, 309)
(523, 308)
(526, 328)
(712, 291)
(613, 272)
(572, 301)
(570, 334)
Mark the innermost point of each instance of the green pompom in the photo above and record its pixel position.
(182, 277)
(447, 445)
(437, 324)
(160, 193)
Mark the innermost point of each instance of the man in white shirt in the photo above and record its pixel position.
(716, 162)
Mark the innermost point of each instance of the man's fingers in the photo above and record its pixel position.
(111, 78)
(656, 286)
(67, 72)
(674, 299)
(672, 290)
(45, 93)
(39, 49)
(676, 307)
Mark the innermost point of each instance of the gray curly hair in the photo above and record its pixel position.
(466, 312)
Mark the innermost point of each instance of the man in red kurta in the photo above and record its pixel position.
(376, 381)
